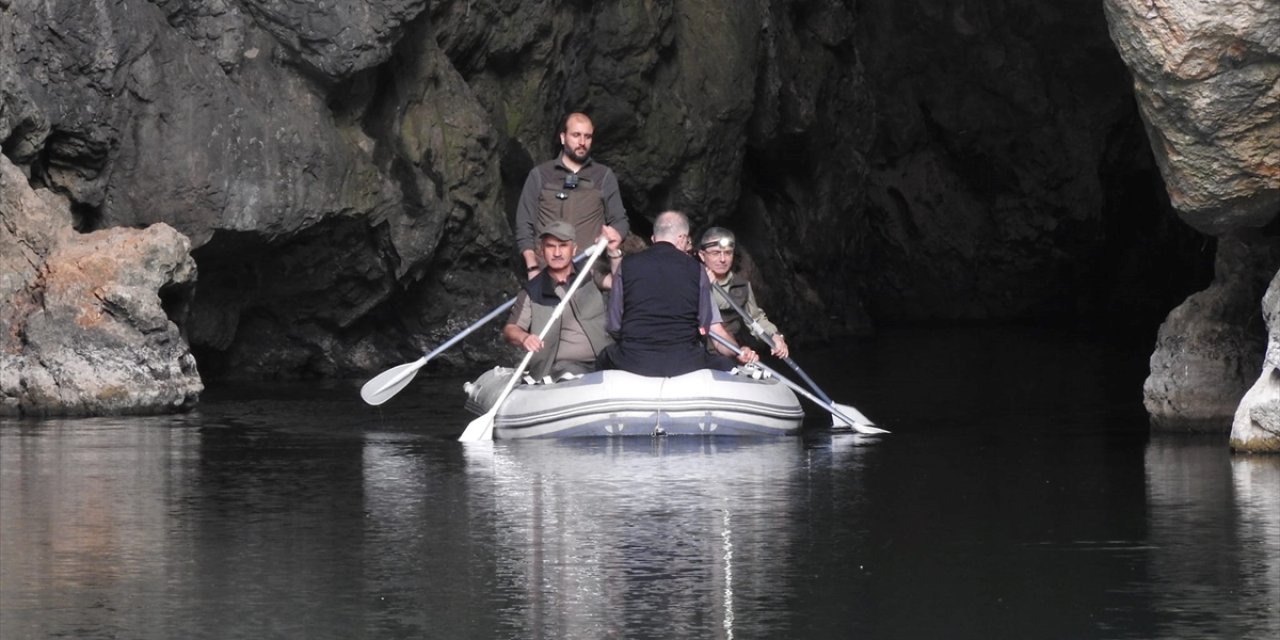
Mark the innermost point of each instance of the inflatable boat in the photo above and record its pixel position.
(618, 403)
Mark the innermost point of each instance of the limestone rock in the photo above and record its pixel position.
(1207, 77)
(1256, 427)
(1210, 347)
(85, 328)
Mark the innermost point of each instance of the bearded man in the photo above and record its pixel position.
(570, 187)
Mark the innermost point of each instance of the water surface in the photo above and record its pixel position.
(1020, 495)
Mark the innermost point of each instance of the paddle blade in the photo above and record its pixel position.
(481, 428)
(849, 412)
(388, 383)
(862, 424)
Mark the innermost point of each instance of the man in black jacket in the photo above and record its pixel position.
(660, 309)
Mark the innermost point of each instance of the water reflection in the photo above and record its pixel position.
(79, 517)
(1215, 535)
(676, 537)
(1256, 482)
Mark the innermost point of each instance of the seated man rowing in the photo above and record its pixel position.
(660, 309)
(574, 346)
(716, 251)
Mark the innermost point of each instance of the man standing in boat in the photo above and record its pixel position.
(716, 250)
(660, 309)
(581, 337)
(570, 187)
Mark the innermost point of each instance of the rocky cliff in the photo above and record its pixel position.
(1207, 80)
(346, 172)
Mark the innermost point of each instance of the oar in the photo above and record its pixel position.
(387, 384)
(759, 331)
(860, 427)
(482, 428)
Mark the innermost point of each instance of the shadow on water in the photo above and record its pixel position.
(1020, 495)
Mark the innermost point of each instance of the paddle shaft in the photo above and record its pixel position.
(861, 428)
(378, 390)
(482, 428)
(483, 321)
(387, 384)
(758, 331)
(807, 380)
(466, 332)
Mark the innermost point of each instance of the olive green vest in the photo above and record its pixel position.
(588, 306)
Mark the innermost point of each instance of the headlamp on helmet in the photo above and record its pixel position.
(716, 237)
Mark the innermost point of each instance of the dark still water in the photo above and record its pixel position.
(1018, 497)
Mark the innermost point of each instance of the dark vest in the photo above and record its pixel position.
(587, 305)
(582, 206)
(738, 289)
(659, 334)
(660, 301)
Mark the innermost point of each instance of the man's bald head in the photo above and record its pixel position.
(673, 227)
(576, 118)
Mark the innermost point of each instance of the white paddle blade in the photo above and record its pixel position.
(848, 412)
(387, 384)
(861, 423)
(866, 429)
(481, 428)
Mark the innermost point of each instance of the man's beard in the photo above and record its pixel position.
(570, 154)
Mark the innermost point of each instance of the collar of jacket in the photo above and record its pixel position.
(542, 289)
(728, 282)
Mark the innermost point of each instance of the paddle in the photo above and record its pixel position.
(860, 427)
(482, 428)
(758, 331)
(387, 384)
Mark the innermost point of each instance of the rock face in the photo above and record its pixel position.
(86, 329)
(1207, 79)
(1256, 427)
(957, 87)
(1210, 347)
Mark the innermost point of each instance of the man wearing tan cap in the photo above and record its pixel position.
(574, 346)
